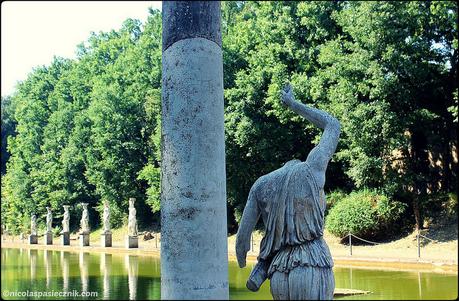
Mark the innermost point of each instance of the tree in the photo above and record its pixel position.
(89, 129)
(8, 129)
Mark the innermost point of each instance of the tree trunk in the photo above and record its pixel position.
(417, 213)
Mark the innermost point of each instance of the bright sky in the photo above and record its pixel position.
(35, 31)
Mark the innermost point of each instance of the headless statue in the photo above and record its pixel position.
(291, 203)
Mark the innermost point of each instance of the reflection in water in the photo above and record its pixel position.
(129, 277)
(350, 277)
(33, 263)
(419, 285)
(48, 265)
(4, 254)
(132, 265)
(84, 274)
(65, 264)
(106, 270)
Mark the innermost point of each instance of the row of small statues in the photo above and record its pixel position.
(106, 239)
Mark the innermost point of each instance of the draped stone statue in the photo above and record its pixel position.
(49, 220)
(106, 217)
(33, 225)
(132, 222)
(66, 220)
(106, 235)
(49, 227)
(66, 227)
(84, 222)
(291, 203)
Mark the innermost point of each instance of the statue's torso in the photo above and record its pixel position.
(292, 207)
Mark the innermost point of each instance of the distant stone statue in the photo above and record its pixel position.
(33, 225)
(132, 221)
(106, 217)
(49, 227)
(291, 203)
(49, 220)
(84, 222)
(66, 220)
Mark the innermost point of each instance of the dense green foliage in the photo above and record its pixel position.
(89, 129)
(86, 129)
(363, 213)
(8, 126)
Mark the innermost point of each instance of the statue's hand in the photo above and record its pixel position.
(241, 253)
(287, 97)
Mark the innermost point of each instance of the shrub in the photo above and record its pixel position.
(451, 204)
(364, 213)
(333, 198)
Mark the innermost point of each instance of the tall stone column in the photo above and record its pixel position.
(194, 253)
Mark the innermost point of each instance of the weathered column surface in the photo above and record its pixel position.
(194, 254)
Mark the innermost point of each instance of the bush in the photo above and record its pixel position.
(443, 203)
(333, 198)
(364, 213)
(450, 205)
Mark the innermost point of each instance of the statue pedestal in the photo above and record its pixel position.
(84, 239)
(106, 239)
(66, 239)
(33, 239)
(132, 242)
(49, 238)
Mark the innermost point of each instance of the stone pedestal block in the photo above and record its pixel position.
(132, 242)
(49, 238)
(106, 239)
(84, 239)
(33, 239)
(66, 239)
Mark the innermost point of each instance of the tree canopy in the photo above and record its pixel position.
(89, 129)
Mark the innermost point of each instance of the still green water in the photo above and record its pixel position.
(137, 277)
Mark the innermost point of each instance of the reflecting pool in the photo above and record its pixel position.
(117, 276)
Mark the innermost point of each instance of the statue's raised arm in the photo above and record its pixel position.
(321, 154)
(291, 203)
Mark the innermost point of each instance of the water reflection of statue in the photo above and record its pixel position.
(49, 220)
(106, 217)
(65, 270)
(132, 222)
(48, 266)
(84, 222)
(33, 225)
(33, 263)
(84, 271)
(133, 271)
(106, 270)
(66, 220)
(291, 202)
